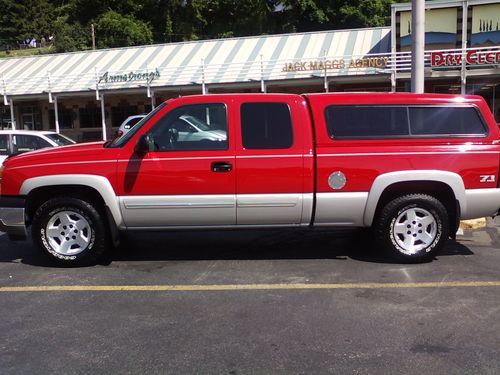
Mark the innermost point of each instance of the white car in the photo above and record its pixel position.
(128, 123)
(191, 128)
(17, 141)
(184, 128)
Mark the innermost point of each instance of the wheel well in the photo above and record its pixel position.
(439, 190)
(40, 195)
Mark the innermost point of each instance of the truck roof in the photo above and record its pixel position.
(380, 97)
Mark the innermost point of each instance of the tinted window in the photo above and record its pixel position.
(445, 120)
(366, 121)
(59, 139)
(266, 125)
(191, 127)
(23, 143)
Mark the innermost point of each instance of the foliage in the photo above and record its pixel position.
(117, 30)
(131, 22)
(69, 37)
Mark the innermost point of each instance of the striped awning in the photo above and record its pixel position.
(268, 58)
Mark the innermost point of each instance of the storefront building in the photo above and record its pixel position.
(86, 95)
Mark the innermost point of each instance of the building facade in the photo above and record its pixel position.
(86, 95)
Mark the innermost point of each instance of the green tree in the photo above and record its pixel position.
(10, 15)
(37, 19)
(70, 37)
(310, 15)
(116, 30)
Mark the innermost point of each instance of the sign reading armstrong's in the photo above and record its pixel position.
(130, 77)
(371, 62)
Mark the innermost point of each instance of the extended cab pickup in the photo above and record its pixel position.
(409, 166)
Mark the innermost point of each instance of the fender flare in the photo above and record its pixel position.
(382, 182)
(99, 183)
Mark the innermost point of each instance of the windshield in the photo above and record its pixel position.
(60, 139)
(120, 141)
(200, 125)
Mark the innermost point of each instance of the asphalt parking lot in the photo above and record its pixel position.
(253, 303)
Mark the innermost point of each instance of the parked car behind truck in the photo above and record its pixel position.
(409, 166)
(17, 141)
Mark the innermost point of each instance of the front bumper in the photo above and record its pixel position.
(12, 217)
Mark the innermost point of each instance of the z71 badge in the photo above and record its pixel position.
(487, 178)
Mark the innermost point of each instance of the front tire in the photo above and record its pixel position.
(69, 231)
(413, 227)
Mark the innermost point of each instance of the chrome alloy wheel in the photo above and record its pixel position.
(414, 229)
(68, 233)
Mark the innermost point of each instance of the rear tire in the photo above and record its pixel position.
(413, 227)
(70, 231)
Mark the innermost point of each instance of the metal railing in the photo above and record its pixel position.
(248, 71)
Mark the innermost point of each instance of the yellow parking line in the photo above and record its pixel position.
(229, 287)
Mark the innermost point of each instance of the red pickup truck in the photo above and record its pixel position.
(409, 166)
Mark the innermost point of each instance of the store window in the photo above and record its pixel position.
(31, 118)
(66, 119)
(90, 117)
(5, 119)
(119, 114)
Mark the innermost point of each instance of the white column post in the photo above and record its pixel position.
(463, 72)
(417, 45)
(12, 116)
(325, 82)
(153, 100)
(53, 99)
(203, 86)
(262, 82)
(56, 113)
(5, 99)
(393, 50)
(151, 94)
(103, 118)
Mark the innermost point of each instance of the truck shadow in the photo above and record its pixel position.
(231, 245)
(339, 244)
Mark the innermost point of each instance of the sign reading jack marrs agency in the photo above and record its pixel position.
(370, 62)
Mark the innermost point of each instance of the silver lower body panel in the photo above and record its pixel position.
(12, 222)
(340, 209)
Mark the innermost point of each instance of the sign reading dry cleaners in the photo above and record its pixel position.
(130, 77)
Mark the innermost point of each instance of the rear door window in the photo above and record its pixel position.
(266, 125)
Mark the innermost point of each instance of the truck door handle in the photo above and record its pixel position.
(221, 166)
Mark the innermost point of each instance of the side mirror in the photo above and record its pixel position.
(144, 145)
